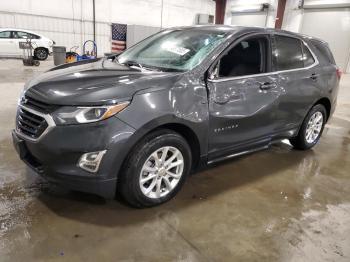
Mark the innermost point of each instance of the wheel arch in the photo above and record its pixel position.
(189, 135)
(326, 103)
(181, 128)
(41, 47)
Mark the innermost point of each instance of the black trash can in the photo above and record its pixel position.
(59, 55)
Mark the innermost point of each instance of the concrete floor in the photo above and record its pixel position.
(275, 205)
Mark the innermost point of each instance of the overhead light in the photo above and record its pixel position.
(249, 8)
(322, 4)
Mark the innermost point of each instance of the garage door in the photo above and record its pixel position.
(333, 26)
(249, 19)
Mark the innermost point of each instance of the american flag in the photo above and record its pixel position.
(118, 38)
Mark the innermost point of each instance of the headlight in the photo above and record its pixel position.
(80, 115)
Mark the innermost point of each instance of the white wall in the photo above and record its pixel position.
(271, 12)
(69, 22)
(293, 15)
(332, 25)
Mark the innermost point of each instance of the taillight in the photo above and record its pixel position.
(339, 73)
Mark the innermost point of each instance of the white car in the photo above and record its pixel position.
(11, 37)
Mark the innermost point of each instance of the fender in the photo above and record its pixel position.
(164, 120)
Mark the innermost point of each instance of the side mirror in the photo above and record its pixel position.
(214, 73)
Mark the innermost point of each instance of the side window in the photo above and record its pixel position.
(5, 34)
(32, 36)
(246, 58)
(288, 53)
(307, 56)
(19, 34)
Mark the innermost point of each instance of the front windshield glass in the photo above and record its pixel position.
(173, 49)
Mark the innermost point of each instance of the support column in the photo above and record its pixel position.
(220, 8)
(280, 12)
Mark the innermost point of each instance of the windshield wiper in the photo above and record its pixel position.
(133, 63)
(149, 67)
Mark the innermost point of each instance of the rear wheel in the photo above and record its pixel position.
(311, 129)
(41, 53)
(156, 169)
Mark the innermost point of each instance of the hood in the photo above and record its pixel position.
(94, 82)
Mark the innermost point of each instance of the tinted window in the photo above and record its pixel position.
(245, 58)
(17, 34)
(308, 58)
(288, 53)
(24, 35)
(5, 34)
(34, 36)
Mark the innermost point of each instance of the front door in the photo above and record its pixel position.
(242, 98)
(7, 44)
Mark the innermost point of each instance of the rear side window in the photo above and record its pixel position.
(307, 58)
(324, 51)
(19, 34)
(5, 34)
(32, 36)
(288, 53)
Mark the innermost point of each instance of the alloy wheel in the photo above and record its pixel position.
(161, 172)
(314, 127)
(41, 54)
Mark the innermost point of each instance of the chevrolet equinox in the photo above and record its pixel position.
(138, 123)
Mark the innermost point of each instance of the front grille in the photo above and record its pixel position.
(30, 124)
(37, 105)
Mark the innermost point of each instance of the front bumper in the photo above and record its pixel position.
(55, 156)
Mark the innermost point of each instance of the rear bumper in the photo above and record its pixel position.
(55, 156)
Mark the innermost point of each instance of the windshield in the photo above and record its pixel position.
(173, 49)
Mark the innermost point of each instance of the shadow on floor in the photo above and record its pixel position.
(201, 186)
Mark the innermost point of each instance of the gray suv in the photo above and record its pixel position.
(137, 124)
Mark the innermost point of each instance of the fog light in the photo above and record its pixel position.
(91, 161)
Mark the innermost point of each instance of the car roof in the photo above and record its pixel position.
(18, 29)
(236, 28)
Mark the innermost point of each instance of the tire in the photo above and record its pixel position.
(41, 53)
(142, 164)
(303, 140)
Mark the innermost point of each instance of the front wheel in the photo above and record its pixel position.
(155, 169)
(41, 53)
(311, 128)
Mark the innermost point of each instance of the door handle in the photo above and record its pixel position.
(267, 85)
(313, 76)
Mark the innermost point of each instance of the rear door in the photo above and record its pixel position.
(298, 78)
(242, 97)
(19, 36)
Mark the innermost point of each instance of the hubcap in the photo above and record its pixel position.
(161, 172)
(314, 127)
